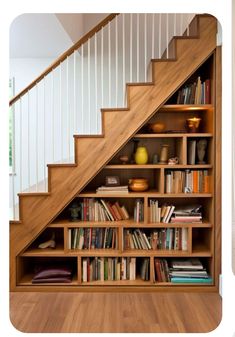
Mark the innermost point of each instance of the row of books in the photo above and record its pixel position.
(195, 93)
(113, 269)
(187, 181)
(160, 213)
(164, 238)
(189, 270)
(92, 238)
(102, 210)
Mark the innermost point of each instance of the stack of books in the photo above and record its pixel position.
(187, 181)
(160, 214)
(188, 270)
(144, 269)
(92, 238)
(195, 93)
(108, 269)
(189, 214)
(139, 211)
(102, 210)
(112, 189)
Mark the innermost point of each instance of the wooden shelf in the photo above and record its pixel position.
(27, 280)
(69, 224)
(156, 166)
(94, 252)
(172, 135)
(150, 194)
(58, 251)
(186, 107)
(137, 282)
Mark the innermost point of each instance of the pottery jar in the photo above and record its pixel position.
(138, 184)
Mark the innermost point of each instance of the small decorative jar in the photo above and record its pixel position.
(164, 154)
(141, 155)
(138, 184)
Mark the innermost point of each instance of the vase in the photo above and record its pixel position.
(164, 154)
(141, 155)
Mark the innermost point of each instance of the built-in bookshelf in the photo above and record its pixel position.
(130, 238)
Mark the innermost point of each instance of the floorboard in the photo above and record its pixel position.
(115, 312)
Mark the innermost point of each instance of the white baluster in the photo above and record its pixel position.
(96, 86)
(44, 127)
(82, 88)
(181, 24)
(153, 35)
(160, 36)
(109, 62)
(175, 24)
(187, 18)
(74, 102)
(67, 103)
(36, 138)
(102, 67)
(137, 45)
(145, 47)
(116, 58)
(53, 117)
(131, 46)
(167, 36)
(61, 115)
(123, 58)
(21, 153)
(28, 142)
(89, 83)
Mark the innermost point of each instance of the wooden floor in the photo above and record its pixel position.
(115, 312)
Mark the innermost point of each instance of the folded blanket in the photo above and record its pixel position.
(65, 279)
(44, 272)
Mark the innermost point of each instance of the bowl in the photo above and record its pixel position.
(157, 127)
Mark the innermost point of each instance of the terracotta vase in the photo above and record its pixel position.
(138, 184)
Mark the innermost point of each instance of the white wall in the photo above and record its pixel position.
(25, 70)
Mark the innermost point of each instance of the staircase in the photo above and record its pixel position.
(92, 152)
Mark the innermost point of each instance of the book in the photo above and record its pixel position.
(192, 152)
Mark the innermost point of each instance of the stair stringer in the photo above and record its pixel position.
(119, 125)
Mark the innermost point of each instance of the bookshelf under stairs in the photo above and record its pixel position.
(130, 245)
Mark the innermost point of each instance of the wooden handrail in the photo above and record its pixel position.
(77, 45)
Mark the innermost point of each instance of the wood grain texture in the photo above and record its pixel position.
(94, 153)
(115, 312)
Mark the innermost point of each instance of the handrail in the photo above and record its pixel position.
(61, 58)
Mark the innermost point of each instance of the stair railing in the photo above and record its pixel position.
(66, 99)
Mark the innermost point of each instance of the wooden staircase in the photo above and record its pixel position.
(92, 153)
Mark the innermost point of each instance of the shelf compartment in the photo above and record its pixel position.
(27, 265)
(192, 150)
(163, 269)
(107, 270)
(47, 234)
(93, 238)
(202, 241)
(171, 240)
(152, 175)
